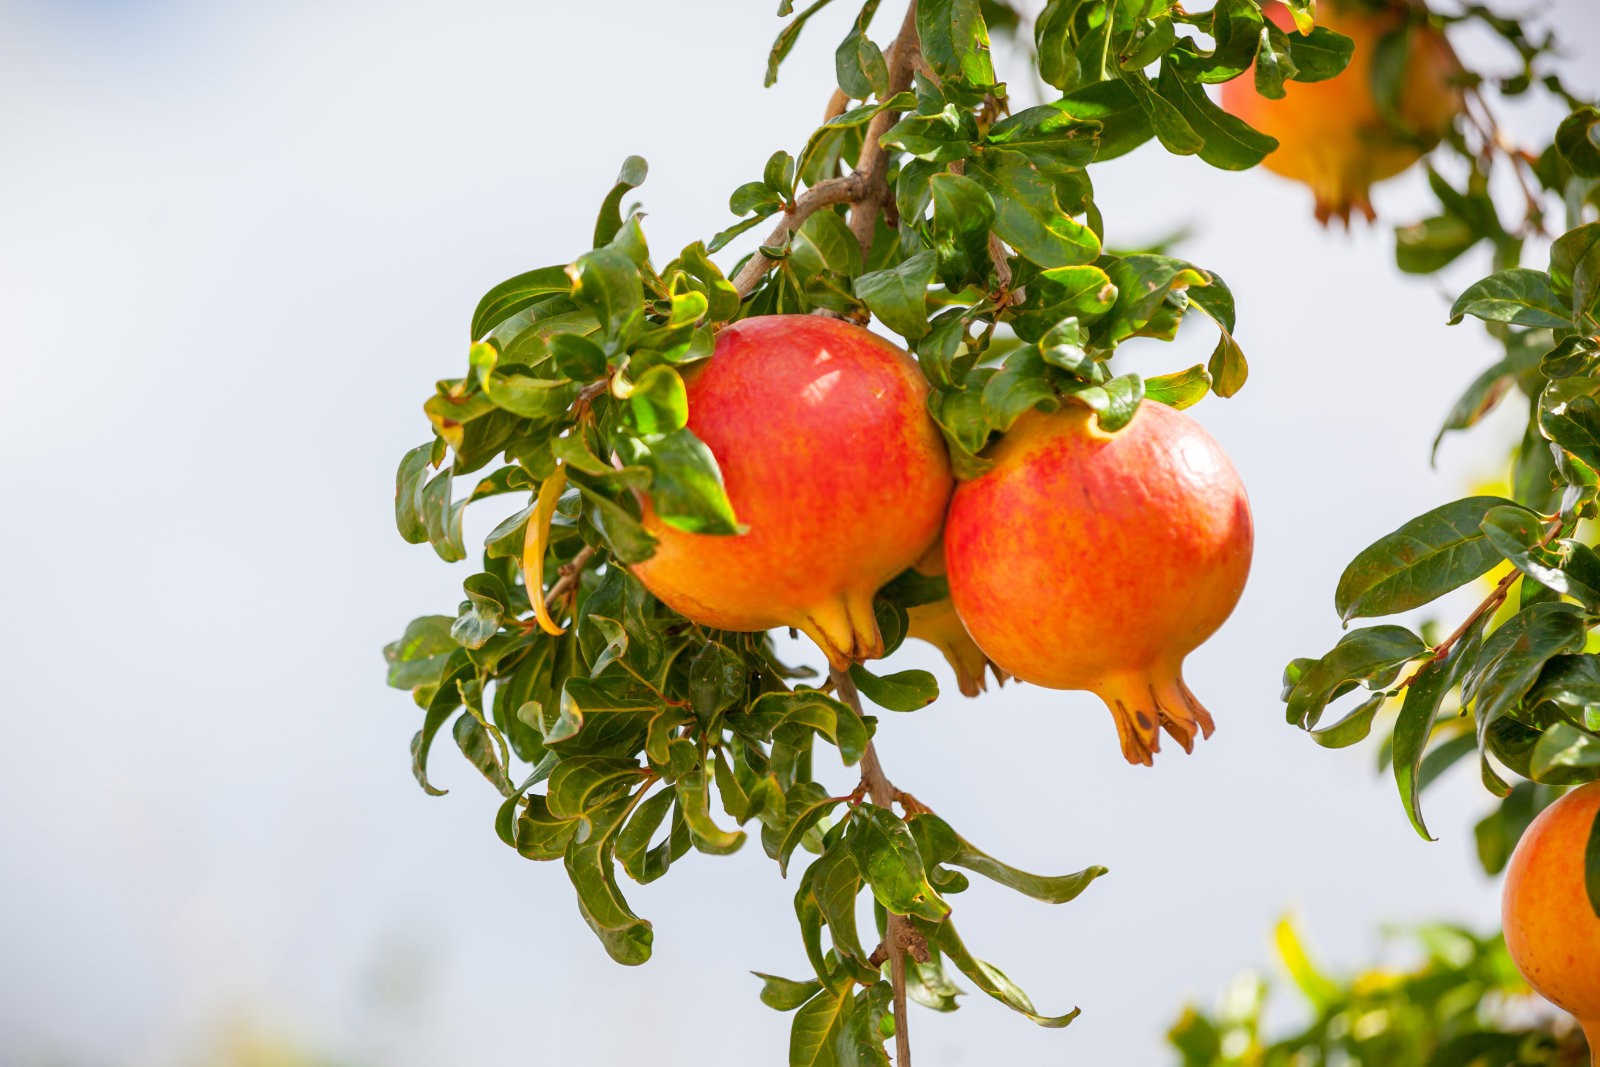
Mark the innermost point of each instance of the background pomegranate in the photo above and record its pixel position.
(1332, 135)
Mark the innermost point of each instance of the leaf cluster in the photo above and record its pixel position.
(1462, 1004)
(1516, 683)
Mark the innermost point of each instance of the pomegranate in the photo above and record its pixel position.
(1551, 930)
(830, 459)
(1331, 134)
(937, 623)
(1087, 560)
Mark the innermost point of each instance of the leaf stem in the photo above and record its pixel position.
(884, 794)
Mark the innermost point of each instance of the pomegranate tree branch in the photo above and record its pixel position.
(873, 163)
(1490, 603)
(571, 574)
(823, 194)
(899, 933)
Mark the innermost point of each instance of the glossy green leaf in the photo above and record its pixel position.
(1518, 296)
(1422, 560)
(991, 979)
(686, 483)
(898, 295)
(626, 937)
(905, 690)
(891, 863)
(786, 39)
(694, 799)
(516, 294)
(1180, 390)
(1028, 213)
(941, 844)
(955, 40)
(1372, 655)
(1577, 142)
(1228, 142)
(630, 177)
(786, 994)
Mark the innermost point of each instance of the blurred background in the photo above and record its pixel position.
(237, 245)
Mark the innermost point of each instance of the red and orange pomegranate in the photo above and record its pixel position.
(1087, 560)
(830, 459)
(1332, 134)
(1551, 929)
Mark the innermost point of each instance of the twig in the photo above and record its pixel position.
(1494, 140)
(873, 163)
(900, 932)
(1490, 604)
(823, 194)
(571, 574)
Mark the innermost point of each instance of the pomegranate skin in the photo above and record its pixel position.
(830, 459)
(1551, 931)
(1331, 134)
(938, 624)
(1086, 560)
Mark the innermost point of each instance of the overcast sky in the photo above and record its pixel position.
(237, 245)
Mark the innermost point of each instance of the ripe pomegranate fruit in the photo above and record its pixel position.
(1087, 560)
(937, 623)
(1331, 134)
(830, 459)
(1551, 930)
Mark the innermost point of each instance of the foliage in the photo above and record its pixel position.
(612, 728)
(1464, 1005)
(1518, 682)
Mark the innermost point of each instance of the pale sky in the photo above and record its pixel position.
(237, 245)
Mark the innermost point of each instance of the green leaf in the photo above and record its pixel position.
(898, 295)
(1480, 398)
(1123, 114)
(1319, 53)
(686, 484)
(941, 844)
(786, 39)
(408, 483)
(786, 994)
(1574, 425)
(804, 709)
(658, 402)
(1228, 142)
(1564, 748)
(991, 979)
(583, 783)
(1115, 403)
(1433, 244)
(1144, 283)
(694, 800)
(1575, 140)
(486, 606)
(858, 63)
(891, 863)
(442, 518)
(443, 704)
(1049, 135)
(900, 691)
(817, 1028)
(1372, 655)
(514, 295)
(1518, 296)
(1423, 559)
(630, 177)
(473, 740)
(1180, 390)
(1353, 728)
(1414, 725)
(1052, 37)
(1575, 265)
(641, 862)
(805, 806)
(1028, 213)
(419, 656)
(955, 40)
(1022, 384)
(607, 282)
(541, 836)
(626, 937)
(1513, 656)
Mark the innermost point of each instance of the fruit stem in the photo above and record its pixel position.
(883, 794)
(1591, 1031)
